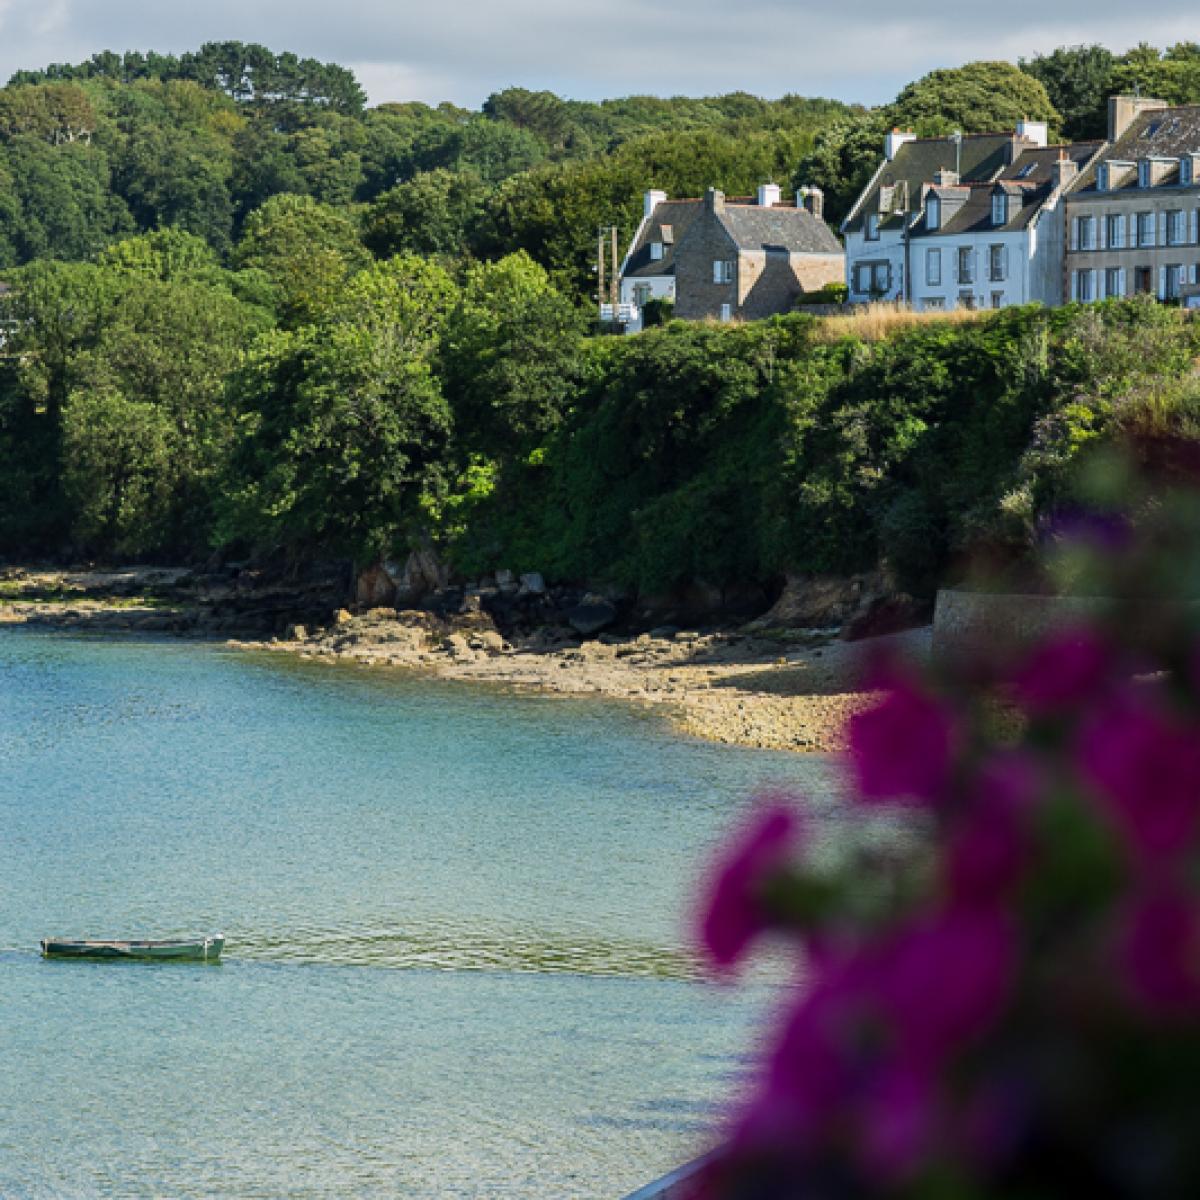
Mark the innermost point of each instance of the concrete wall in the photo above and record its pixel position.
(967, 621)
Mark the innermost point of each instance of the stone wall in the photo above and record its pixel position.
(696, 295)
(984, 621)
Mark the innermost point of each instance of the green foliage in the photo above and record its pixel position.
(433, 213)
(308, 250)
(844, 156)
(345, 425)
(982, 97)
(1078, 80)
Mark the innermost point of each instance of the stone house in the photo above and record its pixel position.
(728, 259)
(963, 221)
(1133, 216)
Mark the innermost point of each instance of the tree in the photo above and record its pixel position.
(432, 214)
(1172, 75)
(511, 357)
(844, 156)
(1078, 80)
(346, 426)
(982, 97)
(307, 249)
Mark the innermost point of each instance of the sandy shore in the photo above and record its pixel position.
(780, 692)
(726, 687)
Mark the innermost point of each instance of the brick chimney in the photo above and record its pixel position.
(813, 199)
(946, 178)
(714, 200)
(1124, 110)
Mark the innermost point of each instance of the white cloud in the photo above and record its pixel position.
(461, 51)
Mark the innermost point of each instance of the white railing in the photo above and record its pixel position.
(626, 314)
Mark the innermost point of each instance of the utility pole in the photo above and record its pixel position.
(600, 263)
(616, 272)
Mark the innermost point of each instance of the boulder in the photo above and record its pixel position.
(532, 584)
(375, 588)
(421, 574)
(506, 581)
(593, 615)
(820, 601)
(343, 616)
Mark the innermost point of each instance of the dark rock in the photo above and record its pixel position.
(592, 616)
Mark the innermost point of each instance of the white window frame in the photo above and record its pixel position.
(1146, 227)
(997, 263)
(933, 266)
(1112, 282)
(722, 270)
(1114, 230)
(1085, 232)
(999, 209)
(656, 251)
(1176, 227)
(933, 213)
(965, 264)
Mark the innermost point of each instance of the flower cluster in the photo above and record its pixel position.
(1018, 1010)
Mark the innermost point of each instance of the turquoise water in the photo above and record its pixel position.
(456, 924)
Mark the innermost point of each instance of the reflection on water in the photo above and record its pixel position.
(456, 960)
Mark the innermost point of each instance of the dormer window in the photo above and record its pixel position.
(999, 209)
(656, 251)
(1187, 170)
(933, 213)
(872, 227)
(1143, 172)
(1102, 178)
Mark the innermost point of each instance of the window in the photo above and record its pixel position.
(933, 213)
(1143, 172)
(1176, 227)
(966, 265)
(1084, 286)
(1112, 282)
(966, 299)
(1145, 229)
(933, 268)
(656, 251)
(1085, 233)
(934, 302)
(1114, 229)
(997, 299)
(722, 271)
(1143, 281)
(641, 294)
(872, 227)
(726, 312)
(997, 263)
(1102, 177)
(873, 279)
(1175, 277)
(999, 209)
(1027, 170)
(1187, 170)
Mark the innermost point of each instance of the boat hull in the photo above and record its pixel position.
(199, 950)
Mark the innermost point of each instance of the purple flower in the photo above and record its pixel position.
(898, 1121)
(946, 978)
(902, 749)
(989, 846)
(1146, 766)
(1064, 671)
(1158, 947)
(735, 914)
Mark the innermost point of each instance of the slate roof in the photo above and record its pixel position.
(1029, 178)
(780, 228)
(667, 224)
(983, 157)
(1163, 133)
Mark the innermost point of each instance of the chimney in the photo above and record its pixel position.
(714, 201)
(652, 201)
(1124, 110)
(768, 195)
(1063, 172)
(896, 139)
(946, 178)
(1037, 132)
(813, 199)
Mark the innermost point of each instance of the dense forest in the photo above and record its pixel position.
(243, 312)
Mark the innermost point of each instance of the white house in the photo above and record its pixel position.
(973, 221)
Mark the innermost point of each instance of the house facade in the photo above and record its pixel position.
(727, 259)
(1133, 217)
(973, 221)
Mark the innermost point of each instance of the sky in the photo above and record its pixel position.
(463, 50)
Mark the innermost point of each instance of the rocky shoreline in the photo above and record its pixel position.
(765, 688)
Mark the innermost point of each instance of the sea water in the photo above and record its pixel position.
(456, 918)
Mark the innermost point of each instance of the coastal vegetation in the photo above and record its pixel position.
(244, 313)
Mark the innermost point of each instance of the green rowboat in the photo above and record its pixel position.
(206, 949)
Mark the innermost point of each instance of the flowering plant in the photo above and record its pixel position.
(1012, 1007)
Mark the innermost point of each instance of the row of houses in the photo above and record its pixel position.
(974, 221)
